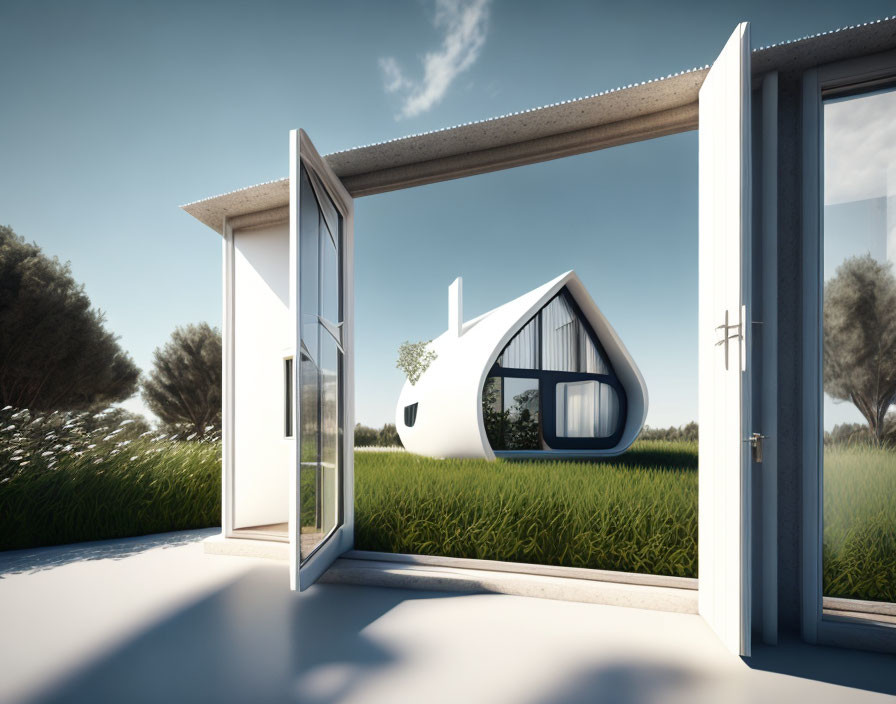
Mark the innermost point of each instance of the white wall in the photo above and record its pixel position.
(261, 329)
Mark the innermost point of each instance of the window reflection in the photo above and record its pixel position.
(859, 344)
(511, 413)
(321, 365)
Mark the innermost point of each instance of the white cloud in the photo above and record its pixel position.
(860, 148)
(463, 23)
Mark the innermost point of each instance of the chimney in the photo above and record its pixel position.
(456, 307)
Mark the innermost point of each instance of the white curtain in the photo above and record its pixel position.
(559, 336)
(522, 351)
(566, 346)
(586, 409)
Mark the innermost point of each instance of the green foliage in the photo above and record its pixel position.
(149, 487)
(55, 353)
(365, 436)
(387, 436)
(414, 359)
(632, 513)
(686, 433)
(27, 438)
(860, 338)
(517, 427)
(859, 538)
(184, 387)
(861, 434)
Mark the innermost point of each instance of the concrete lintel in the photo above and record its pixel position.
(556, 146)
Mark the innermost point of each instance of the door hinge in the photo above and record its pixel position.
(755, 441)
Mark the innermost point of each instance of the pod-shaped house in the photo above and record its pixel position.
(545, 374)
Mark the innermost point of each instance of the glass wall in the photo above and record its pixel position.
(859, 347)
(320, 233)
(552, 387)
(512, 414)
(566, 345)
(556, 339)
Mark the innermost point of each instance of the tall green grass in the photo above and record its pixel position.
(106, 492)
(635, 513)
(859, 538)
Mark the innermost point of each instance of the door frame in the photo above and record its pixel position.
(341, 538)
(815, 82)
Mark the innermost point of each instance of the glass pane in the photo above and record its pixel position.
(309, 231)
(859, 342)
(586, 409)
(559, 337)
(522, 429)
(309, 453)
(493, 412)
(330, 435)
(328, 212)
(522, 351)
(330, 279)
(565, 343)
(590, 356)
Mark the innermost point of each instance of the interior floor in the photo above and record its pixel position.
(275, 529)
(280, 532)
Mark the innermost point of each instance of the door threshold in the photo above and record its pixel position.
(595, 575)
(469, 576)
(445, 578)
(269, 547)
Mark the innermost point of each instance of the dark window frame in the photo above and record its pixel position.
(547, 387)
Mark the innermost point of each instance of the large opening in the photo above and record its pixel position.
(625, 219)
(859, 356)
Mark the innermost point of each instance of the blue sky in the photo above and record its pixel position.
(114, 113)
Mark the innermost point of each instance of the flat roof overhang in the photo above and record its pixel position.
(632, 113)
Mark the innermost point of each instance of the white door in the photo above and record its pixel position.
(724, 339)
(321, 512)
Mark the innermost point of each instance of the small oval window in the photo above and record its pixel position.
(410, 415)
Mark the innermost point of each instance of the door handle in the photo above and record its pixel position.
(727, 335)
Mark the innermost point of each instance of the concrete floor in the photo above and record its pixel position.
(155, 619)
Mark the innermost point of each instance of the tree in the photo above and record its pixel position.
(388, 436)
(365, 436)
(414, 358)
(55, 353)
(184, 387)
(860, 338)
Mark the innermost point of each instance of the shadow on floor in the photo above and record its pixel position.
(627, 683)
(873, 672)
(37, 559)
(252, 641)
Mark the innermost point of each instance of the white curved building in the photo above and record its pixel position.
(543, 374)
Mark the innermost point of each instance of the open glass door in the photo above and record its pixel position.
(724, 365)
(321, 478)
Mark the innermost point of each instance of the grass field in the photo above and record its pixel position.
(860, 522)
(636, 513)
(150, 487)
